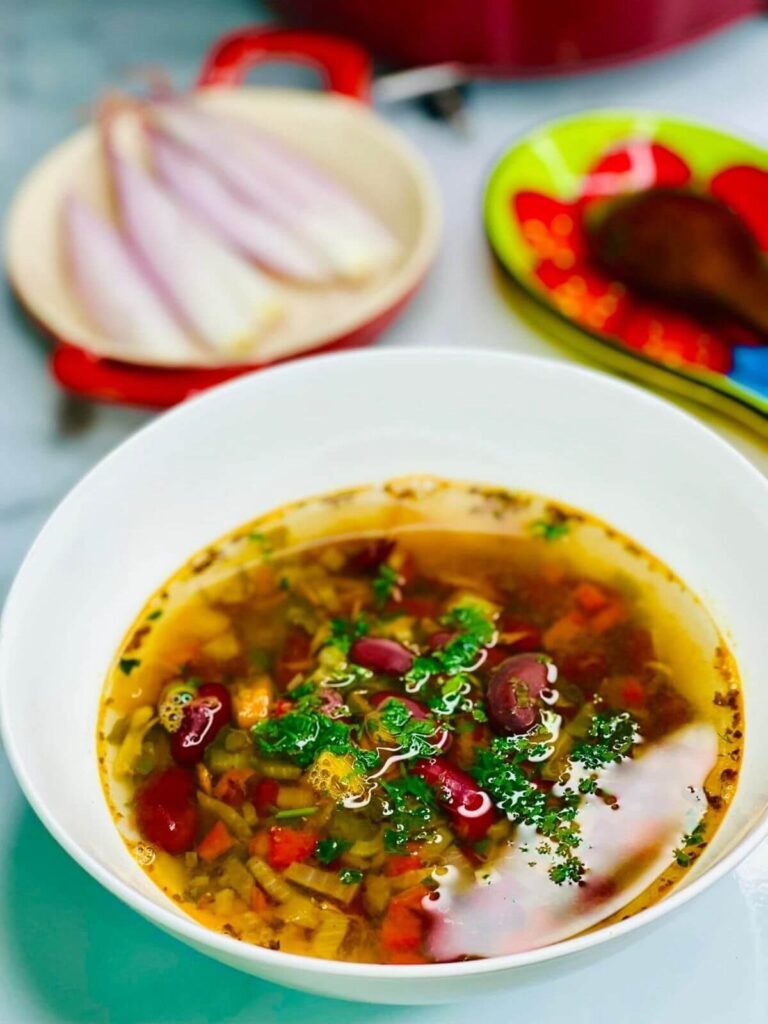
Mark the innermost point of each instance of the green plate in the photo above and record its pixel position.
(534, 203)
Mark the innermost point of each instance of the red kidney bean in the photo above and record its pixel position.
(166, 812)
(440, 639)
(203, 718)
(513, 693)
(370, 557)
(381, 655)
(443, 739)
(470, 807)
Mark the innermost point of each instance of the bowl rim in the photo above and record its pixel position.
(233, 950)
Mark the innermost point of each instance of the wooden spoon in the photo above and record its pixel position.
(685, 248)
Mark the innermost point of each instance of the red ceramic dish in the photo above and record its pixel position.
(391, 177)
(520, 37)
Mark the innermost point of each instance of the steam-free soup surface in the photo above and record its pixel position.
(421, 722)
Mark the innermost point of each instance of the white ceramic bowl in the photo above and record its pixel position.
(326, 423)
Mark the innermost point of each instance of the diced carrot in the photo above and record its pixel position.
(259, 901)
(231, 786)
(411, 898)
(215, 843)
(609, 617)
(552, 572)
(398, 864)
(564, 630)
(402, 957)
(590, 597)
(259, 845)
(402, 929)
(288, 845)
(632, 693)
(264, 797)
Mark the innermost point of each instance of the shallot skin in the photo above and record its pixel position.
(223, 300)
(112, 288)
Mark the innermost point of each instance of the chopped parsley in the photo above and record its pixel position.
(263, 541)
(410, 806)
(344, 632)
(127, 665)
(692, 839)
(500, 771)
(154, 615)
(611, 736)
(329, 850)
(549, 529)
(474, 631)
(415, 737)
(384, 584)
(350, 876)
(301, 736)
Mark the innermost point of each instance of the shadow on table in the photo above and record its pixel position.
(88, 958)
(82, 956)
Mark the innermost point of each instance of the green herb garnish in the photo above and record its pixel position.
(127, 665)
(474, 631)
(415, 737)
(549, 529)
(296, 812)
(385, 584)
(301, 736)
(264, 543)
(329, 850)
(610, 737)
(344, 632)
(154, 615)
(350, 876)
(410, 806)
(694, 838)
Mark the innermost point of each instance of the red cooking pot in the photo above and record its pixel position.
(520, 37)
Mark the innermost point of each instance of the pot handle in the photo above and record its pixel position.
(344, 65)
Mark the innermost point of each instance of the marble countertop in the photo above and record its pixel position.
(68, 950)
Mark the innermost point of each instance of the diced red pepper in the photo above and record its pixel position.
(632, 693)
(399, 864)
(590, 597)
(419, 607)
(517, 636)
(288, 845)
(264, 797)
(402, 929)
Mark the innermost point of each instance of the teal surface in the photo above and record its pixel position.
(69, 951)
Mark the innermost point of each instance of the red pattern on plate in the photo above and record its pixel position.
(554, 230)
